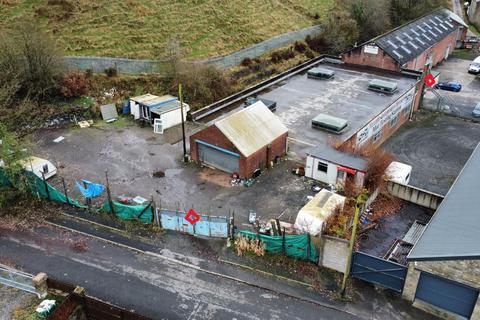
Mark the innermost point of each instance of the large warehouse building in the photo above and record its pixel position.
(245, 142)
(444, 269)
(429, 39)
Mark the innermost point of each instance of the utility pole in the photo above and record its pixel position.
(185, 159)
(358, 206)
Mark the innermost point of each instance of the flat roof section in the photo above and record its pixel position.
(300, 99)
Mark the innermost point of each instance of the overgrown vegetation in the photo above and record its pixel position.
(139, 29)
(245, 245)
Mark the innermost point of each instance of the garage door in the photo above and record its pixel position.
(217, 157)
(446, 294)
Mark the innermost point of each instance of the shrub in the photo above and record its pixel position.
(309, 54)
(279, 55)
(276, 57)
(300, 46)
(73, 85)
(88, 73)
(111, 72)
(316, 16)
(246, 62)
(245, 244)
(317, 43)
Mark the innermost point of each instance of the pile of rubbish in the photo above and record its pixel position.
(45, 308)
(236, 181)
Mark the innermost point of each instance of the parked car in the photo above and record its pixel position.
(476, 111)
(474, 67)
(449, 86)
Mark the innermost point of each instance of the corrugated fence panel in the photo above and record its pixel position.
(169, 220)
(202, 227)
(219, 227)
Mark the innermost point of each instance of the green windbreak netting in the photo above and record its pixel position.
(295, 245)
(4, 181)
(126, 212)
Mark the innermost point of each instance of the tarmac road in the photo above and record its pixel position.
(151, 286)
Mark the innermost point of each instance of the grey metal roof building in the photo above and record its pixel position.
(327, 153)
(409, 41)
(453, 232)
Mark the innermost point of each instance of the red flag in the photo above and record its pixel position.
(429, 80)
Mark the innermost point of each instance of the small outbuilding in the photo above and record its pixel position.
(149, 107)
(245, 142)
(334, 167)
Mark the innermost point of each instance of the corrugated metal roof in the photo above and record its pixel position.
(414, 233)
(251, 128)
(151, 100)
(327, 153)
(453, 232)
(169, 106)
(407, 42)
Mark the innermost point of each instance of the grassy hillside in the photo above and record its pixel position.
(140, 28)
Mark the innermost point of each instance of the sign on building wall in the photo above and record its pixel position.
(371, 49)
(404, 103)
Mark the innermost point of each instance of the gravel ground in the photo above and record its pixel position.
(11, 299)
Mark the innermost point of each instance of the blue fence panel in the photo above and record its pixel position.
(219, 227)
(169, 220)
(185, 226)
(202, 227)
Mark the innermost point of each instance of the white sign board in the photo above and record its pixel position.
(371, 49)
(402, 104)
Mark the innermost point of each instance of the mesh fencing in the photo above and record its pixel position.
(134, 66)
(297, 246)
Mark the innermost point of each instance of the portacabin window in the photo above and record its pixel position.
(322, 167)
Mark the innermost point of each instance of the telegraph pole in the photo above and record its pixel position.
(358, 205)
(185, 159)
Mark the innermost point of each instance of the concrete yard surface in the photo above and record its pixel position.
(132, 154)
(436, 146)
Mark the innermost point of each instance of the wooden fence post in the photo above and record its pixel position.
(65, 191)
(110, 202)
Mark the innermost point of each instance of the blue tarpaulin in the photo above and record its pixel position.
(93, 190)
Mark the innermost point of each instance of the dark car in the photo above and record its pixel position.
(449, 86)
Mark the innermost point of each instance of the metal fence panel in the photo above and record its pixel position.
(378, 271)
(169, 220)
(202, 227)
(219, 227)
(17, 279)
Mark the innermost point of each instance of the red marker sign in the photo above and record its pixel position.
(429, 80)
(192, 217)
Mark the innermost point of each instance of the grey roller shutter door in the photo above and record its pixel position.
(218, 159)
(446, 294)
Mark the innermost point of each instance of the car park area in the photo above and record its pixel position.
(436, 146)
(460, 104)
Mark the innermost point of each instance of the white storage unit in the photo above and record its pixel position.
(40, 167)
(331, 166)
(167, 108)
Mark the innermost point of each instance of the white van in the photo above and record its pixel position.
(398, 172)
(39, 166)
(475, 66)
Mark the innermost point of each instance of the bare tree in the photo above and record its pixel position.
(30, 64)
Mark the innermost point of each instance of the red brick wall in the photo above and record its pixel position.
(380, 60)
(257, 160)
(213, 136)
(260, 159)
(383, 61)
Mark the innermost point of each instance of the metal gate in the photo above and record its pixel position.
(17, 279)
(217, 157)
(446, 294)
(210, 226)
(378, 271)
